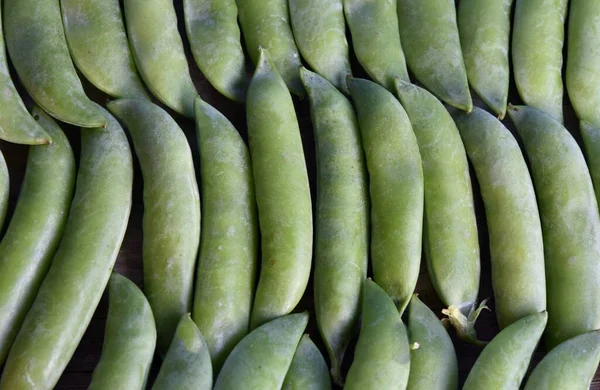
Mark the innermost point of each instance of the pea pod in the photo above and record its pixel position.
(591, 141)
(129, 339)
(81, 267)
(308, 370)
(36, 228)
(171, 225)
(4, 188)
(282, 195)
(396, 187)
(570, 224)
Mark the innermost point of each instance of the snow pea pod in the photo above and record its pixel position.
(591, 142)
(396, 187)
(171, 225)
(35, 229)
(570, 223)
(308, 370)
(82, 265)
(4, 188)
(129, 339)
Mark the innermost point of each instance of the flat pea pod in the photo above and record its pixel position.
(320, 31)
(431, 44)
(504, 361)
(4, 188)
(282, 195)
(382, 357)
(396, 187)
(591, 142)
(82, 265)
(187, 363)
(570, 223)
(376, 40)
(450, 229)
(36, 228)
(537, 46)
(262, 359)
(171, 223)
(265, 23)
(214, 36)
(36, 43)
(308, 370)
(514, 227)
(158, 53)
(484, 27)
(571, 365)
(226, 271)
(129, 339)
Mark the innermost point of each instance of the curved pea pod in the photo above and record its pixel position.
(129, 339)
(484, 27)
(591, 142)
(158, 53)
(308, 370)
(214, 36)
(432, 47)
(537, 46)
(265, 23)
(514, 227)
(571, 365)
(262, 359)
(35, 229)
(4, 188)
(282, 195)
(396, 187)
(570, 223)
(82, 265)
(171, 225)
(36, 44)
(226, 270)
(187, 362)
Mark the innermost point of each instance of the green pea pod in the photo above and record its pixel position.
(308, 370)
(171, 225)
(432, 47)
(4, 188)
(82, 265)
(514, 227)
(129, 339)
(36, 228)
(484, 27)
(214, 36)
(382, 357)
(226, 270)
(537, 46)
(36, 43)
(262, 359)
(265, 23)
(591, 141)
(570, 223)
(396, 187)
(320, 32)
(158, 53)
(282, 195)
(187, 363)
(571, 365)
(342, 220)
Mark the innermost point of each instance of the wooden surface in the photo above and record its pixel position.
(78, 373)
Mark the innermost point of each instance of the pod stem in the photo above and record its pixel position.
(465, 324)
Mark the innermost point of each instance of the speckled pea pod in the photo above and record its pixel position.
(282, 195)
(82, 265)
(226, 270)
(396, 187)
(262, 359)
(129, 339)
(537, 46)
(4, 188)
(591, 141)
(36, 228)
(308, 370)
(570, 224)
(158, 53)
(171, 225)
(187, 364)
(514, 227)
(484, 27)
(432, 47)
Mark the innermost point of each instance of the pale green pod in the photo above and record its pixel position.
(537, 47)
(432, 47)
(158, 53)
(308, 370)
(4, 188)
(591, 141)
